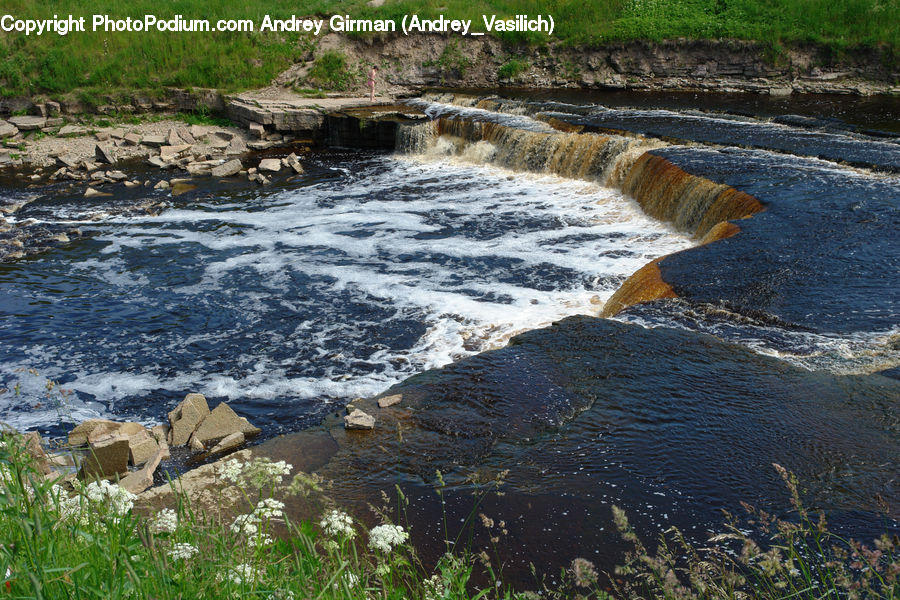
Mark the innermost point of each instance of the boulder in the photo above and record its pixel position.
(236, 146)
(28, 123)
(161, 185)
(270, 164)
(53, 108)
(35, 447)
(102, 136)
(293, 162)
(138, 481)
(7, 129)
(117, 133)
(359, 420)
(79, 435)
(116, 175)
(68, 160)
(173, 151)
(389, 400)
(104, 154)
(102, 430)
(160, 432)
(108, 456)
(229, 442)
(232, 167)
(185, 135)
(257, 130)
(93, 193)
(221, 423)
(196, 445)
(203, 167)
(71, 130)
(218, 143)
(158, 162)
(131, 139)
(142, 447)
(189, 413)
(154, 141)
(197, 132)
(173, 139)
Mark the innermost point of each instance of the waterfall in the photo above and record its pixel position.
(664, 191)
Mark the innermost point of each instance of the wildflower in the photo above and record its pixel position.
(182, 551)
(349, 579)
(434, 588)
(584, 572)
(166, 521)
(385, 537)
(245, 525)
(231, 470)
(269, 508)
(117, 499)
(260, 541)
(239, 574)
(338, 524)
(382, 570)
(262, 472)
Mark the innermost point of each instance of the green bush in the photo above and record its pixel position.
(512, 69)
(331, 71)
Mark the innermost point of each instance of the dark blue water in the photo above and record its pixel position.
(291, 300)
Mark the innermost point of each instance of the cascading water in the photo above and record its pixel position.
(500, 217)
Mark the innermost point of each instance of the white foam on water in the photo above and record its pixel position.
(527, 250)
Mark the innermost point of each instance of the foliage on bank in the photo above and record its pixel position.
(85, 540)
(101, 62)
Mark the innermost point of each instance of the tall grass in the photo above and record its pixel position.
(101, 62)
(85, 540)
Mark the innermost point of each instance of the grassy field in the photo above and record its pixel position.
(53, 64)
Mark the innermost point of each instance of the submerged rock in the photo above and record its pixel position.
(359, 420)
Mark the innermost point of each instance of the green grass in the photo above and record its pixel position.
(87, 540)
(97, 62)
(512, 68)
(332, 71)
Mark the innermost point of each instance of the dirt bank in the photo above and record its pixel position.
(706, 65)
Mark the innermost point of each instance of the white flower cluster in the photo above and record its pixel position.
(240, 573)
(166, 521)
(349, 579)
(95, 498)
(6, 477)
(246, 525)
(183, 551)
(259, 472)
(338, 524)
(262, 540)
(117, 499)
(385, 537)
(434, 588)
(269, 508)
(231, 470)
